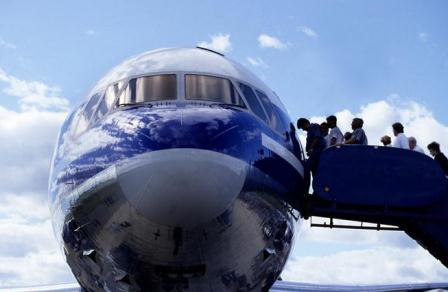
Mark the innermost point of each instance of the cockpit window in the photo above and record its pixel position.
(108, 100)
(84, 114)
(211, 88)
(91, 105)
(253, 101)
(150, 88)
(269, 107)
(283, 118)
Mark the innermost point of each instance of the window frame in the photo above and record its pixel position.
(231, 81)
(181, 94)
(73, 132)
(267, 121)
(81, 111)
(128, 80)
(255, 91)
(113, 103)
(269, 103)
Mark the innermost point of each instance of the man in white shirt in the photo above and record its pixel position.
(335, 136)
(400, 141)
(413, 145)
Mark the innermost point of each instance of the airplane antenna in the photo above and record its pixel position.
(210, 50)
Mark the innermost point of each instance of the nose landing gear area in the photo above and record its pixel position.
(383, 185)
(182, 187)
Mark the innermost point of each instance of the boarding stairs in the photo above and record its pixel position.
(393, 189)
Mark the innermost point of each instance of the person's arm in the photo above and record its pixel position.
(443, 161)
(352, 140)
(295, 142)
(333, 141)
(357, 137)
(313, 144)
(314, 133)
(336, 136)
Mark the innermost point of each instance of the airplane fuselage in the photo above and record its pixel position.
(176, 194)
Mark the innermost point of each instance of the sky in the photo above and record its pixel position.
(384, 61)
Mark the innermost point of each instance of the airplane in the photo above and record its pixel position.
(182, 171)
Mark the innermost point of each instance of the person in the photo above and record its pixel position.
(347, 136)
(386, 141)
(358, 135)
(439, 157)
(295, 142)
(315, 143)
(324, 133)
(413, 145)
(335, 136)
(400, 140)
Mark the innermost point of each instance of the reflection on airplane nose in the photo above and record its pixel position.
(182, 187)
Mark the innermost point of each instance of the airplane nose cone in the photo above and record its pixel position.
(182, 187)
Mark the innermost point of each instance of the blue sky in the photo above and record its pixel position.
(382, 60)
(364, 50)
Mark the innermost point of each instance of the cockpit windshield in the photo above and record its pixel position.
(211, 88)
(149, 88)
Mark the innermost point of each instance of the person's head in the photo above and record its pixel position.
(412, 143)
(324, 129)
(347, 136)
(398, 128)
(386, 140)
(434, 148)
(332, 121)
(303, 124)
(357, 123)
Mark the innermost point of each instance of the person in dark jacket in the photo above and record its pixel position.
(315, 143)
(439, 157)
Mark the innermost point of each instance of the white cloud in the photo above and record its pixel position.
(382, 265)
(267, 41)
(28, 250)
(28, 138)
(220, 43)
(6, 44)
(379, 116)
(16, 208)
(90, 32)
(423, 36)
(35, 269)
(308, 31)
(33, 94)
(257, 62)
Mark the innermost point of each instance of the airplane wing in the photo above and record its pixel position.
(71, 287)
(278, 286)
(295, 286)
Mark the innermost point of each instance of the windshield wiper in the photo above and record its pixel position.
(136, 104)
(228, 105)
